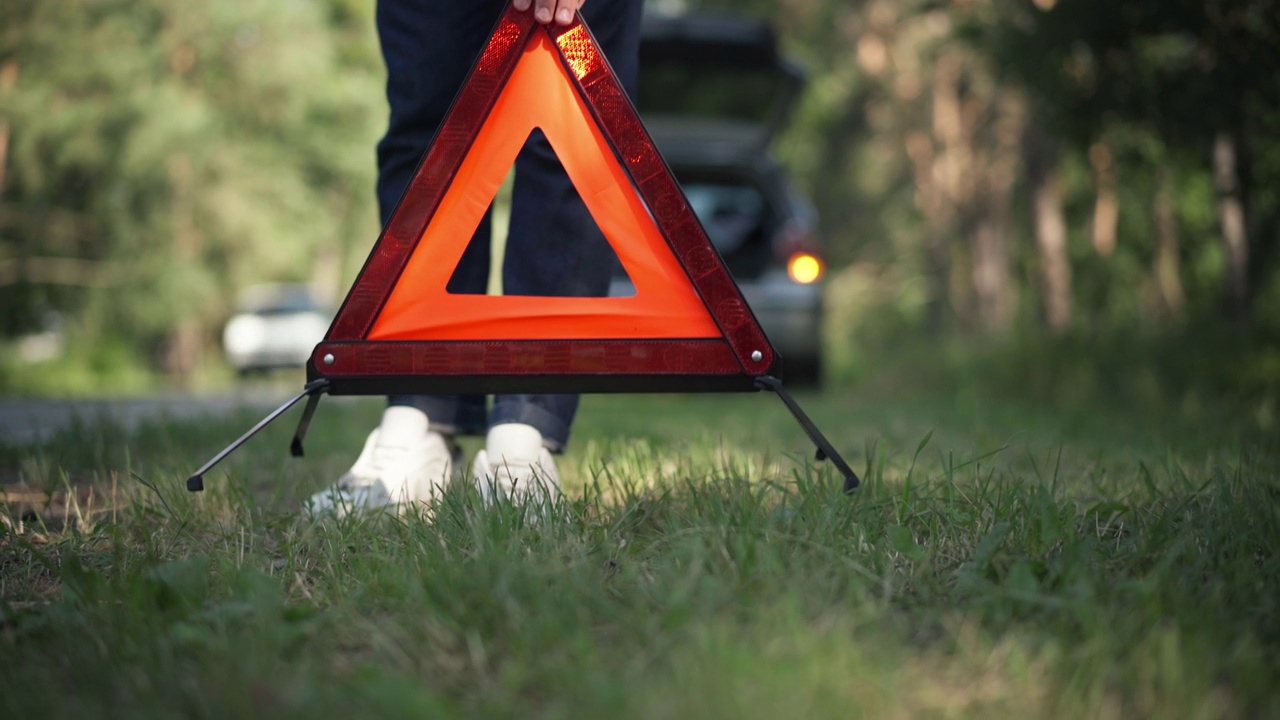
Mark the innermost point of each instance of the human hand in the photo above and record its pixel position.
(544, 11)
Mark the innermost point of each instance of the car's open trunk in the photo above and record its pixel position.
(717, 75)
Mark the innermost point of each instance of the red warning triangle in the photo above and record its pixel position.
(686, 327)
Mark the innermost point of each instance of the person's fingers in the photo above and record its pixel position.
(543, 10)
(564, 11)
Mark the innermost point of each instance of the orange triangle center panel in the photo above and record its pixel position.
(687, 316)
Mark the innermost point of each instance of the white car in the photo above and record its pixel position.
(276, 326)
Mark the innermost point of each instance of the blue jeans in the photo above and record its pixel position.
(553, 245)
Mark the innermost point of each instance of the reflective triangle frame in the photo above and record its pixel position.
(349, 362)
(355, 363)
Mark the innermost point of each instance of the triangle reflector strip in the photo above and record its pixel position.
(686, 328)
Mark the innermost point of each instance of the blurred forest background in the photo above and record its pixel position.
(1070, 200)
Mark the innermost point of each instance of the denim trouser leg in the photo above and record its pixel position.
(553, 245)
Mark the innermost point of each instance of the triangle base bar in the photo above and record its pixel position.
(527, 366)
(600, 383)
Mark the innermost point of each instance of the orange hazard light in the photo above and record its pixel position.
(804, 268)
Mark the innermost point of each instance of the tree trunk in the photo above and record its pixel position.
(938, 161)
(185, 344)
(183, 350)
(1232, 223)
(1050, 230)
(938, 222)
(1166, 265)
(328, 269)
(1106, 208)
(4, 152)
(992, 283)
(991, 271)
(8, 78)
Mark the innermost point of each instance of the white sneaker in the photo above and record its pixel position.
(402, 462)
(515, 466)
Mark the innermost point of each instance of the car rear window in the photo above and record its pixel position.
(738, 222)
(284, 300)
(742, 95)
(719, 68)
(731, 214)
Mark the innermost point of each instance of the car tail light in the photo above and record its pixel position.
(795, 246)
(804, 267)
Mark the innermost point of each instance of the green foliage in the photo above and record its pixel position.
(1152, 81)
(1159, 80)
(164, 154)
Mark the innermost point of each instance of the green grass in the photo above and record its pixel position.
(1001, 560)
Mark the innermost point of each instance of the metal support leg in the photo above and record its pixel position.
(825, 450)
(304, 422)
(195, 483)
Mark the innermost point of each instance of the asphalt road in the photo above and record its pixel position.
(25, 421)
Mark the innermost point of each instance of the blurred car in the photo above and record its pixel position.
(275, 326)
(714, 92)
